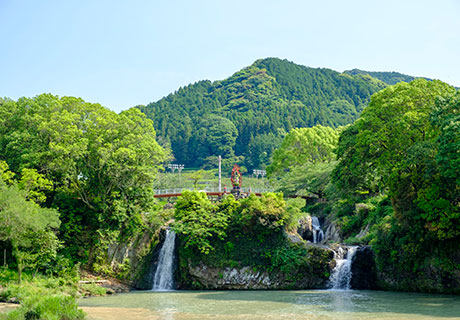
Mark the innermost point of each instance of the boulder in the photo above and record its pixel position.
(305, 229)
(364, 270)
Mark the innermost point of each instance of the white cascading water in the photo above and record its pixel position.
(164, 279)
(318, 234)
(341, 275)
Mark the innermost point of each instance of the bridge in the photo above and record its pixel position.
(171, 193)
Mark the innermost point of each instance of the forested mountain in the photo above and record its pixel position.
(249, 113)
(387, 77)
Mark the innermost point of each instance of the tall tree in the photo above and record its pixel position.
(28, 227)
(304, 160)
(106, 161)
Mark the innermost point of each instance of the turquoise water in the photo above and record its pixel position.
(315, 304)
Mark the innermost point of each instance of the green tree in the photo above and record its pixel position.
(34, 184)
(304, 161)
(270, 96)
(262, 215)
(196, 176)
(219, 134)
(376, 150)
(439, 199)
(28, 227)
(406, 144)
(198, 222)
(106, 161)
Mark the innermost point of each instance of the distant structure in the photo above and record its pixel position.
(257, 172)
(237, 181)
(173, 167)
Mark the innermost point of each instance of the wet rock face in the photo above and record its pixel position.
(364, 270)
(231, 278)
(332, 233)
(305, 229)
(245, 278)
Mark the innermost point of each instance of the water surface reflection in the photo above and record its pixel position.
(315, 304)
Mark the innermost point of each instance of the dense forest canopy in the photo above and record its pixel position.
(387, 77)
(401, 155)
(263, 102)
(97, 167)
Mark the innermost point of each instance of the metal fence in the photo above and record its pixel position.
(179, 190)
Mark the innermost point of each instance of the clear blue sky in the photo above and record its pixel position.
(124, 53)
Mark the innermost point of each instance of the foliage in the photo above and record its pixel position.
(262, 215)
(28, 228)
(92, 289)
(439, 198)
(304, 161)
(96, 166)
(392, 129)
(294, 208)
(390, 78)
(43, 298)
(198, 221)
(405, 145)
(263, 102)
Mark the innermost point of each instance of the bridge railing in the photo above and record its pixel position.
(214, 190)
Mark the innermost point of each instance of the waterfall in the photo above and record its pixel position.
(341, 275)
(318, 234)
(163, 279)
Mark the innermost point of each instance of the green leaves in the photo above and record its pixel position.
(375, 148)
(68, 148)
(440, 196)
(28, 227)
(261, 101)
(303, 163)
(198, 221)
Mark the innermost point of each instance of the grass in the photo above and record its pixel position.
(40, 297)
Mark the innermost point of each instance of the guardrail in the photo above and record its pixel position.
(208, 190)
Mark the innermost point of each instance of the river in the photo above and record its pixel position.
(258, 305)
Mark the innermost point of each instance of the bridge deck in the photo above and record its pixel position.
(209, 193)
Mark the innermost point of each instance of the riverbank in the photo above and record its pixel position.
(43, 297)
(6, 307)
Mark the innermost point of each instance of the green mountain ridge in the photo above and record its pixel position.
(389, 77)
(248, 114)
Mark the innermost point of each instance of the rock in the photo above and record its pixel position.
(144, 279)
(294, 238)
(313, 275)
(13, 300)
(364, 270)
(363, 232)
(109, 291)
(332, 233)
(231, 278)
(305, 229)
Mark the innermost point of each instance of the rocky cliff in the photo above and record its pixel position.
(313, 275)
(364, 270)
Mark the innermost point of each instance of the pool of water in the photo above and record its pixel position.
(315, 304)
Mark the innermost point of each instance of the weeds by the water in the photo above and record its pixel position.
(40, 297)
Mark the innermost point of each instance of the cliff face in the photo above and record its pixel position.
(136, 259)
(247, 278)
(364, 270)
(313, 275)
(434, 278)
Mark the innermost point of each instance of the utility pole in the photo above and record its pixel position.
(220, 174)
